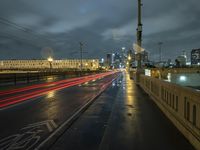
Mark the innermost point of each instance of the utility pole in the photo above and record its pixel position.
(160, 46)
(81, 53)
(139, 34)
(81, 44)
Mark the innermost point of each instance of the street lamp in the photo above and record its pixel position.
(50, 60)
(139, 43)
(160, 52)
(129, 57)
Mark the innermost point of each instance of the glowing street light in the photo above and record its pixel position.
(50, 60)
(129, 57)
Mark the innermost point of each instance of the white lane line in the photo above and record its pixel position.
(73, 117)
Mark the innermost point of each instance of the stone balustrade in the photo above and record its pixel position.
(180, 104)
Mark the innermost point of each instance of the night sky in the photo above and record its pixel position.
(34, 29)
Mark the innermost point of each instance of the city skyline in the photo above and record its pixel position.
(28, 28)
(99, 74)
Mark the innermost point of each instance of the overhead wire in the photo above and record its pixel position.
(25, 30)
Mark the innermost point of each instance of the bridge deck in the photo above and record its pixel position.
(125, 118)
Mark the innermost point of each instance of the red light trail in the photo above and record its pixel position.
(2, 93)
(58, 85)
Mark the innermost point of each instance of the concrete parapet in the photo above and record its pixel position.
(180, 104)
(163, 72)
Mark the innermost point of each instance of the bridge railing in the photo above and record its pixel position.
(27, 77)
(180, 104)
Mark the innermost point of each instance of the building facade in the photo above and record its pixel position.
(195, 57)
(181, 60)
(117, 63)
(109, 60)
(91, 64)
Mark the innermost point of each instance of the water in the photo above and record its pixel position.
(185, 79)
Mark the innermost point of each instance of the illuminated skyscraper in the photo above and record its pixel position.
(195, 57)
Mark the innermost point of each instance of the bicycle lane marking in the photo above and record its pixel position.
(28, 137)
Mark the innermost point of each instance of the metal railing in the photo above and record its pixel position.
(27, 77)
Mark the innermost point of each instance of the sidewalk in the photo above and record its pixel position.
(122, 118)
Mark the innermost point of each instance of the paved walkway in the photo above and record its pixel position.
(122, 118)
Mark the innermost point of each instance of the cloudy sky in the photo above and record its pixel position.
(37, 28)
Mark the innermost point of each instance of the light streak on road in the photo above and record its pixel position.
(6, 92)
(57, 86)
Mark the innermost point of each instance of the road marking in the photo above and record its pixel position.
(28, 138)
(76, 114)
(30, 135)
(50, 124)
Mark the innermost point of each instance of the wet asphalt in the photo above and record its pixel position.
(27, 124)
(122, 118)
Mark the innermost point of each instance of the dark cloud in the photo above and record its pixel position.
(27, 27)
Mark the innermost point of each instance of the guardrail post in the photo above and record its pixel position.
(28, 77)
(46, 75)
(38, 76)
(63, 75)
(15, 78)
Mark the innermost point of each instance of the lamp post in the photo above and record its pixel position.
(81, 53)
(129, 62)
(129, 57)
(160, 52)
(139, 33)
(50, 60)
(81, 56)
(139, 43)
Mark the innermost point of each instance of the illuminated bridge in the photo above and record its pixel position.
(105, 111)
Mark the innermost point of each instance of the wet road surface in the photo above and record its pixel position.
(122, 118)
(26, 124)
